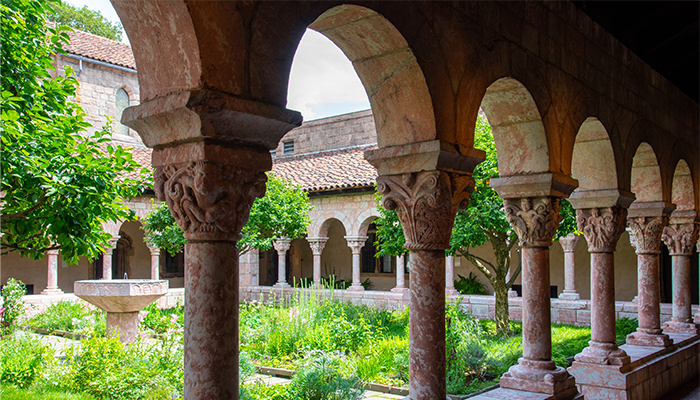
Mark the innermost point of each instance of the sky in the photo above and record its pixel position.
(322, 82)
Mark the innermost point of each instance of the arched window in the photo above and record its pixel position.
(122, 102)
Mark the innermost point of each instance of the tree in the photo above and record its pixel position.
(482, 221)
(58, 186)
(84, 19)
(282, 212)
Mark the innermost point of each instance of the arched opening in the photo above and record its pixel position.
(593, 161)
(521, 142)
(646, 176)
(336, 258)
(682, 191)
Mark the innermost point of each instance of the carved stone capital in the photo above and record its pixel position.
(602, 227)
(426, 204)
(356, 243)
(645, 233)
(680, 238)
(534, 219)
(155, 251)
(111, 244)
(568, 242)
(210, 188)
(317, 244)
(282, 244)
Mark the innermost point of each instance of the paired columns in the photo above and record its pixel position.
(107, 258)
(356, 243)
(282, 245)
(647, 222)
(568, 243)
(680, 236)
(52, 274)
(317, 245)
(155, 262)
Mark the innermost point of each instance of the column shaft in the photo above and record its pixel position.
(211, 320)
(679, 238)
(281, 267)
(427, 326)
(107, 264)
(317, 270)
(569, 276)
(681, 289)
(155, 263)
(52, 273)
(400, 275)
(537, 331)
(602, 298)
(450, 276)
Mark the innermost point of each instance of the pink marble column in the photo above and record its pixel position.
(52, 274)
(107, 258)
(426, 204)
(356, 243)
(535, 220)
(209, 190)
(602, 228)
(568, 243)
(696, 317)
(646, 232)
(282, 245)
(450, 276)
(317, 245)
(155, 262)
(400, 275)
(679, 239)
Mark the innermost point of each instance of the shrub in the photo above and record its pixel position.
(71, 316)
(160, 320)
(469, 285)
(22, 360)
(12, 306)
(623, 327)
(320, 378)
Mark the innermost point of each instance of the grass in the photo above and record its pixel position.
(11, 393)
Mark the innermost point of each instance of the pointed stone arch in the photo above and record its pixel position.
(593, 160)
(682, 189)
(646, 176)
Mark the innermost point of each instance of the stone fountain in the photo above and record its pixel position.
(122, 299)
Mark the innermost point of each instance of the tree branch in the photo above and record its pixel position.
(23, 214)
(479, 262)
(514, 276)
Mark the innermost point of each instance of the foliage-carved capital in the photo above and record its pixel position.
(426, 204)
(602, 227)
(317, 244)
(680, 238)
(534, 219)
(356, 243)
(645, 233)
(282, 244)
(209, 199)
(569, 242)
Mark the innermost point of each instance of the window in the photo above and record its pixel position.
(372, 264)
(273, 153)
(174, 265)
(121, 102)
(288, 147)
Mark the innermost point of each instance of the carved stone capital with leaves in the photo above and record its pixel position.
(356, 243)
(282, 244)
(534, 219)
(645, 233)
(602, 227)
(317, 244)
(680, 238)
(426, 204)
(209, 189)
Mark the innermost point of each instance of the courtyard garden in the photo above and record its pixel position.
(334, 347)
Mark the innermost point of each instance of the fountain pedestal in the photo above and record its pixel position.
(122, 299)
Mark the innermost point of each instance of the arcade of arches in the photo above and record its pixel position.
(574, 113)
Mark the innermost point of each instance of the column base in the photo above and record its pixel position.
(356, 288)
(555, 382)
(451, 292)
(603, 354)
(654, 338)
(569, 295)
(687, 328)
(52, 292)
(399, 290)
(282, 285)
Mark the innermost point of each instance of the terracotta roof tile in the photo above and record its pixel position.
(100, 48)
(327, 170)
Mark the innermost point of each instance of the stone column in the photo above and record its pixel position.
(426, 204)
(450, 276)
(646, 223)
(209, 190)
(282, 245)
(696, 317)
(107, 258)
(568, 243)
(52, 274)
(535, 220)
(602, 228)
(317, 244)
(155, 262)
(400, 275)
(356, 243)
(680, 238)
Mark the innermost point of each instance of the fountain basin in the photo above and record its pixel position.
(122, 299)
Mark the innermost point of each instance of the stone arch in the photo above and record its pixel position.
(646, 175)
(323, 228)
(393, 80)
(593, 160)
(365, 220)
(682, 189)
(518, 131)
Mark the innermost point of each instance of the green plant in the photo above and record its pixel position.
(367, 284)
(623, 327)
(470, 285)
(321, 378)
(12, 393)
(161, 321)
(22, 360)
(12, 306)
(71, 316)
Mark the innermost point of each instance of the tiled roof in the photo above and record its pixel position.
(100, 48)
(142, 155)
(327, 170)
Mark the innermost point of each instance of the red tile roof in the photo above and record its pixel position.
(100, 48)
(327, 170)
